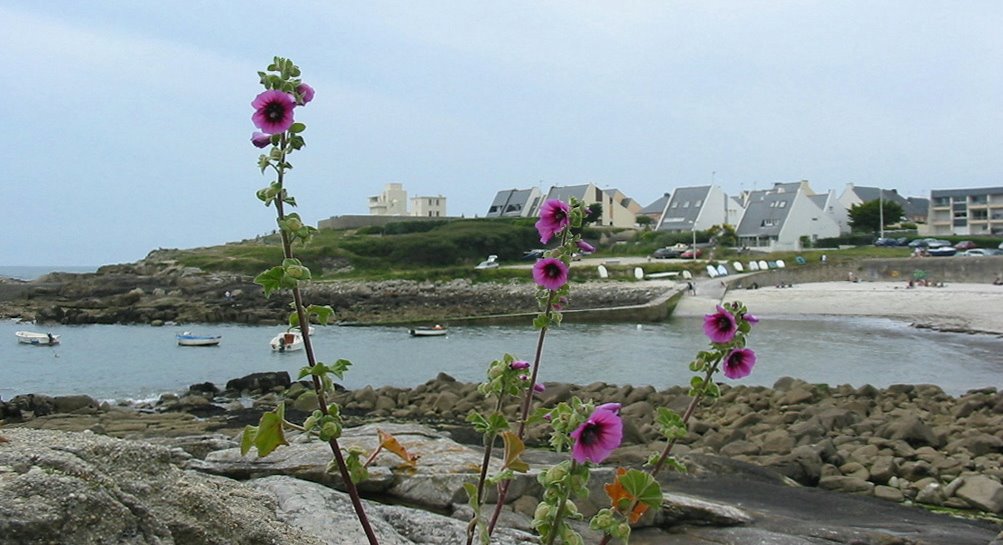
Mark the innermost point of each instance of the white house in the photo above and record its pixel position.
(777, 218)
(429, 207)
(391, 202)
(618, 210)
(695, 209)
(834, 209)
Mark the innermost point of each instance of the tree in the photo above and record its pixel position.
(865, 217)
(724, 234)
(644, 221)
(594, 213)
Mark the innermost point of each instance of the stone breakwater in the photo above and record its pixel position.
(155, 292)
(905, 443)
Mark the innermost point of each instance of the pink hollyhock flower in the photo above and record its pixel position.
(519, 364)
(261, 140)
(539, 388)
(614, 407)
(738, 363)
(751, 318)
(273, 111)
(550, 273)
(306, 92)
(720, 327)
(597, 437)
(554, 216)
(586, 247)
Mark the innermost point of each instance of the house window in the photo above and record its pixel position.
(768, 222)
(782, 204)
(674, 204)
(686, 204)
(698, 203)
(493, 209)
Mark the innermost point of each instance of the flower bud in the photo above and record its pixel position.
(519, 364)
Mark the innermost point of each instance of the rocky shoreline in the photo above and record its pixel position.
(155, 292)
(904, 443)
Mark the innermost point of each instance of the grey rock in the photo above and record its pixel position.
(983, 493)
(328, 515)
(910, 429)
(846, 484)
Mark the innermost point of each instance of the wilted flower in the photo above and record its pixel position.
(720, 327)
(586, 247)
(554, 216)
(261, 140)
(273, 111)
(519, 364)
(550, 273)
(597, 437)
(306, 92)
(738, 363)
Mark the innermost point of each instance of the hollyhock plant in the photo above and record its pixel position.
(273, 111)
(555, 215)
(721, 326)
(738, 363)
(550, 273)
(586, 247)
(597, 437)
(306, 92)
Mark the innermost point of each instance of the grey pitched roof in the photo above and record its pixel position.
(819, 200)
(510, 202)
(683, 208)
(658, 206)
(566, 192)
(765, 213)
(917, 206)
(868, 194)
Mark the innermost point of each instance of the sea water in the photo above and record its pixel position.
(142, 362)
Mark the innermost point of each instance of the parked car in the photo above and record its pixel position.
(965, 245)
(929, 243)
(490, 263)
(978, 252)
(688, 254)
(886, 241)
(942, 251)
(670, 252)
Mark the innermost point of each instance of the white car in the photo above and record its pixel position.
(490, 263)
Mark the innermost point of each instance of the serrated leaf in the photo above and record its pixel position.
(633, 488)
(357, 471)
(321, 313)
(514, 447)
(270, 280)
(391, 443)
(478, 420)
(271, 432)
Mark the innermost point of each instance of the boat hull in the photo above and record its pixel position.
(287, 342)
(194, 340)
(428, 332)
(37, 339)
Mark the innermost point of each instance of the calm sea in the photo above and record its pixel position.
(26, 272)
(141, 362)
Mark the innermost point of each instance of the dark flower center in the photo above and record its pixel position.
(552, 271)
(590, 434)
(723, 324)
(275, 111)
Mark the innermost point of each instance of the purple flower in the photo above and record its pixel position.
(597, 437)
(273, 111)
(720, 327)
(586, 247)
(539, 388)
(613, 407)
(738, 363)
(750, 318)
(306, 92)
(261, 140)
(550, 273)
(554, 216)
(519, 364)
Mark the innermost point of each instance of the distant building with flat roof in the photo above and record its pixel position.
(977, 211)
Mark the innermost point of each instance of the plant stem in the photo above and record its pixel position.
(489, 441)
(318, 386)
(527, 402)
(560, 506)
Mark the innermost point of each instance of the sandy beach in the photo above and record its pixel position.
(954, 307)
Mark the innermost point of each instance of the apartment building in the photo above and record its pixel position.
(966, 211)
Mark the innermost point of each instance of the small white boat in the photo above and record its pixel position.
(39, 339)
(434, 331)
(187, 339)
(287, 342)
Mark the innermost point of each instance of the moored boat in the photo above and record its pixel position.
(38, 339)
(434, 331)
(188, 339)
(287, 342)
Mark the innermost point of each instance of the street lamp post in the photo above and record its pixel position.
(881, 213)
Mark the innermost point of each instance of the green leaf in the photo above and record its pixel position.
(471, 495)
(478, 421)
(321, 313)
(297, 127)
(356, 470)
(270, 280)
(541, 321)
(247, 438)
(271, 433)
(675, 465)
(642, 486)
(339, 368)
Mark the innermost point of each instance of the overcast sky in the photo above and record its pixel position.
(128, 123)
